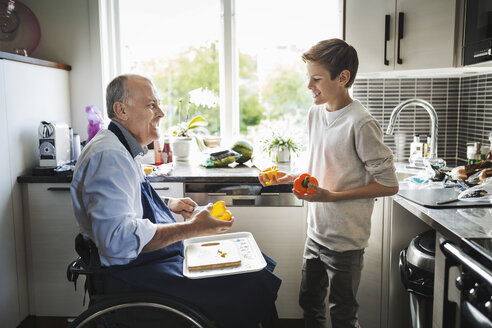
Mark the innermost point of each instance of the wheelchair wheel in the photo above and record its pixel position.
(142, 310)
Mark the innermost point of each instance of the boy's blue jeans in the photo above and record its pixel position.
(338, 271)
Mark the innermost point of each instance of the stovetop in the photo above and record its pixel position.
(480, 249)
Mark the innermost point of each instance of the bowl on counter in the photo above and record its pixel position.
(211, 141)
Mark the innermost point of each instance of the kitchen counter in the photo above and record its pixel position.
(181, 172)
(453, 223)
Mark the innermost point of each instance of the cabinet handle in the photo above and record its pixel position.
(161, 188)
(386, 37)
(59, 188)
(400, 35)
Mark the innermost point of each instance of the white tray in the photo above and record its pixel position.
(251, 258)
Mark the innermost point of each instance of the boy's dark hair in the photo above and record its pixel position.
(335, 55)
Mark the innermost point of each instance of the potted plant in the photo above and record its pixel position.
(280, 147)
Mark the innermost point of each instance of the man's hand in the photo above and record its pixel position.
(281, 178)
(182, 206)
(206, 224)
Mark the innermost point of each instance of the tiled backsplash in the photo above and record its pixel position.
(463, 106)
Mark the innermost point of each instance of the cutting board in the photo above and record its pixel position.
(212, 255)
(430, 198)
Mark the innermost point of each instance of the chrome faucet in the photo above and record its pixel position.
(433, 115)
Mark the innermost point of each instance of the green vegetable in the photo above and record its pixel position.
(245, 149)
(225, 161)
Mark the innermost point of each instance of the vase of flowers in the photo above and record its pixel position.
(280, 147)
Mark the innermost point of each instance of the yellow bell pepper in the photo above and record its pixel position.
(219, 211)
(270, 173)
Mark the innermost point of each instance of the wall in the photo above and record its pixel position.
(70, 35)
(462, 105)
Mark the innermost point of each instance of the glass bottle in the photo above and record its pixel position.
(157, 153)
(489, 155)
(167, 154)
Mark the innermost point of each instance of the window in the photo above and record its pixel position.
(250, 58)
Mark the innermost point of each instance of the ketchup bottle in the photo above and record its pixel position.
(167, 154)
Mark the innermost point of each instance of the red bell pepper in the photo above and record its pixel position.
(301, 184)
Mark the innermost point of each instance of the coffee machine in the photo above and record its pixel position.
(54, 144)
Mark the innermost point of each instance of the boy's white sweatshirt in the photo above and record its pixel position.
(346, 153)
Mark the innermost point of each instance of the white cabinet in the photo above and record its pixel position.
(402, 34)
(9, 298)
(28, 94)
(51, 229)
(280, 233)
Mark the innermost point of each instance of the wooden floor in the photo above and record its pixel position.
(63, 322)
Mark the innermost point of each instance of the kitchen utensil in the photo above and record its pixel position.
(447, 201)
(20, 31)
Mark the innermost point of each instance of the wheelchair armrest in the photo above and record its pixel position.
(76, 268)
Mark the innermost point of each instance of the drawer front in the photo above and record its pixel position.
(170, 189)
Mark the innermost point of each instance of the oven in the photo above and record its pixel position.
(468, 278)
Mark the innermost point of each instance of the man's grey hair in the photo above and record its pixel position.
(118, 92)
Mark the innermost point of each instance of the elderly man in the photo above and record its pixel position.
(134, 230)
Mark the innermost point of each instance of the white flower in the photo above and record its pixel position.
(203, 97)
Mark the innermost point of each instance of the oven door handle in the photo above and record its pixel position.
(474, 317)
(459, 256)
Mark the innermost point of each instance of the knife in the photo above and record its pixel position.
(447, 201)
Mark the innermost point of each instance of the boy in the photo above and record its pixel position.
(353, 166)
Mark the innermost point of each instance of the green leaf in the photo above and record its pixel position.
(196, 122)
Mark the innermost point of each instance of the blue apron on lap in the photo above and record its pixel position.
(240, 300)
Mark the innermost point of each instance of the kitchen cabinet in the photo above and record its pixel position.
(29, 93)
(369, 294)
(402, 227)
(280, 232)
(9, 298)
(395, 35)
(51, 229)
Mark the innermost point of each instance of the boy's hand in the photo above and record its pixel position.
(321, 195)
(281, 178)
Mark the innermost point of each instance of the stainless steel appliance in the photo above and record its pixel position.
(242, 194)
(468, 299)
(417, 275)
(54, 143)
(477, 36)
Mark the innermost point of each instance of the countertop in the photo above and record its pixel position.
(453, 223)
(182, 172)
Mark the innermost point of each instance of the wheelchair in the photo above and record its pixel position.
(126, 309)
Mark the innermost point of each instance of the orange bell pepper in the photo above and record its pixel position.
(219, 211)
(270, 173)
(301, 184)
